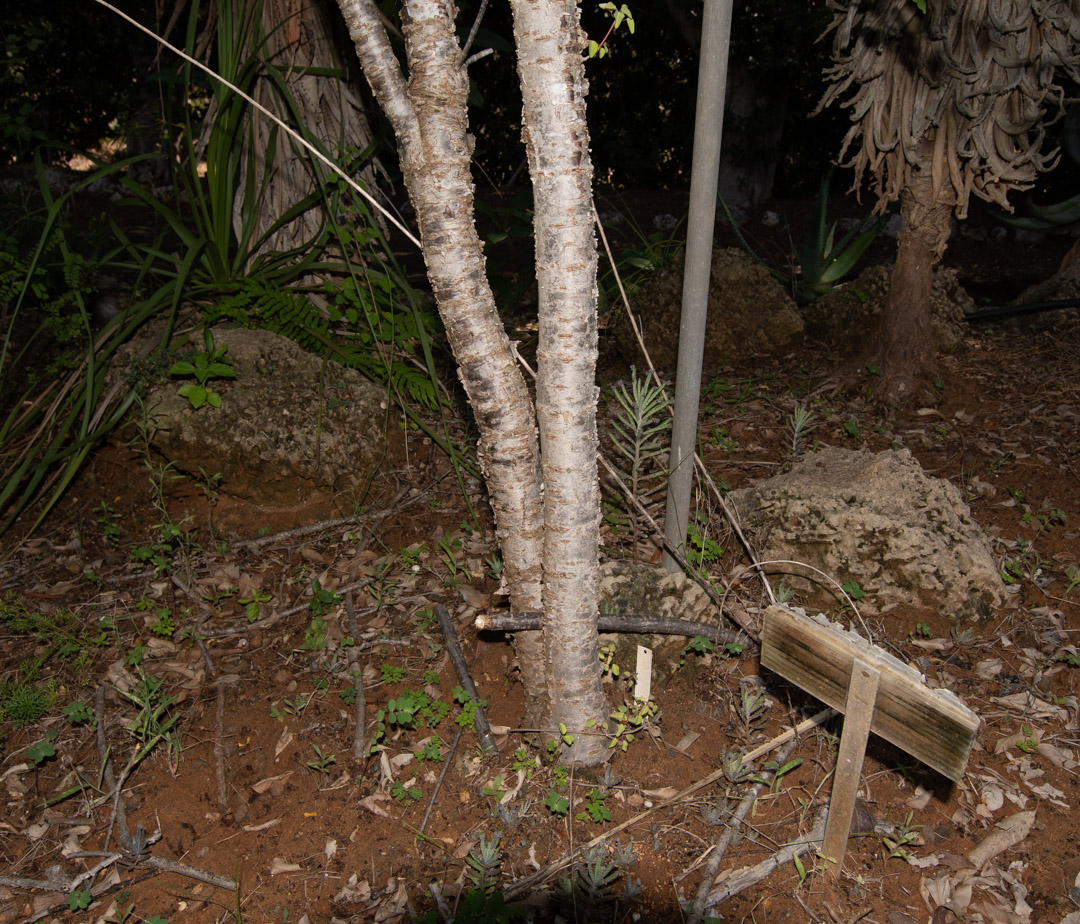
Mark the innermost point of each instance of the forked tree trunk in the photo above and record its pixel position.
(551, 69)
(431, 125)
(430, 122)
(904, 345)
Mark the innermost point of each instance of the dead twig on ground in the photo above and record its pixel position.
(288, 535)
(219, 749)
(357, 670)
(730, 830)
(523, 885)
(461, 668)
(741, 879)
(136, 850)
(439, 782)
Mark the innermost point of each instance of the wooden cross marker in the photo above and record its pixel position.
(875, 692)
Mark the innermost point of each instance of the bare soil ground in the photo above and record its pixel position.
(221, 692)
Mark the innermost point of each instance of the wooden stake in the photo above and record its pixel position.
(858, 712)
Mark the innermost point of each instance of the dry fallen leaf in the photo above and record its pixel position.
(1005, 834)
(275, 784)
(393, 906)
(283, 742)
(474, 597)
(355, 891)
(278, 865)
(371, 804)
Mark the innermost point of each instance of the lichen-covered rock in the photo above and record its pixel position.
(650, 590)
(847, 317)
(749, 313)
(878, 519)
(276, 440)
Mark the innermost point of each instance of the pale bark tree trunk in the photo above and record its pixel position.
(295, 35)
(551, 69)
(429, 116)
(430, 121)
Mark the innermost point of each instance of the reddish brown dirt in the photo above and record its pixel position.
(257, 712)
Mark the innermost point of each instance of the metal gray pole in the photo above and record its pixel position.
(708, 129)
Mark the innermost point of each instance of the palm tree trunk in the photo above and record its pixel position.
(904, 348)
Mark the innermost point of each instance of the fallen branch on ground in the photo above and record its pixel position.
(453, 649)
(523, 885)
(623, 622)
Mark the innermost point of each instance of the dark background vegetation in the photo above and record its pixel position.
(75, 74)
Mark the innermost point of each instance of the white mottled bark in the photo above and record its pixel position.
(551, 69)
(429, 117)
(430, 121)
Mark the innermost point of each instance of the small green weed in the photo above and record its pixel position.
(321, 762)
(322, 599)
(702, 549)
(211, 363)
(854, 593)
(896, 844)
(154, 723)
(252, 603)
(523, 760)
(79, 900)
(107, 519)
(1029, 742)
(921, 630)
(556, 803)
(403, 793)
(25, 703)
(629, 721)
(315, 635)
(41, 751)
(293, 707)
(392, 673)
(595, 810)
(78, 714)
(432, 750)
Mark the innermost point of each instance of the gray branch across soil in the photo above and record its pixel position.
(625, 622)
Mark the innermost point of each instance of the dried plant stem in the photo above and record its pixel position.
(453, 649)
(747, 876)
(357, 669)
(526, 883)
(730, 830)
(622, 622)
(219, 749)
(439, 782)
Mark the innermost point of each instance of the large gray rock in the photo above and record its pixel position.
(749, 313)
(650, 590)
(847, 317)
(878, 519)
(267, 439)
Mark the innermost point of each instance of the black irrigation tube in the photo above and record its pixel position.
(1008, 311)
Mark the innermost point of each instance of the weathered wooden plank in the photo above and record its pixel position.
(931, 725)
(858, 713)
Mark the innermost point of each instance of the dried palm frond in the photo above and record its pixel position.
(976, 79)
